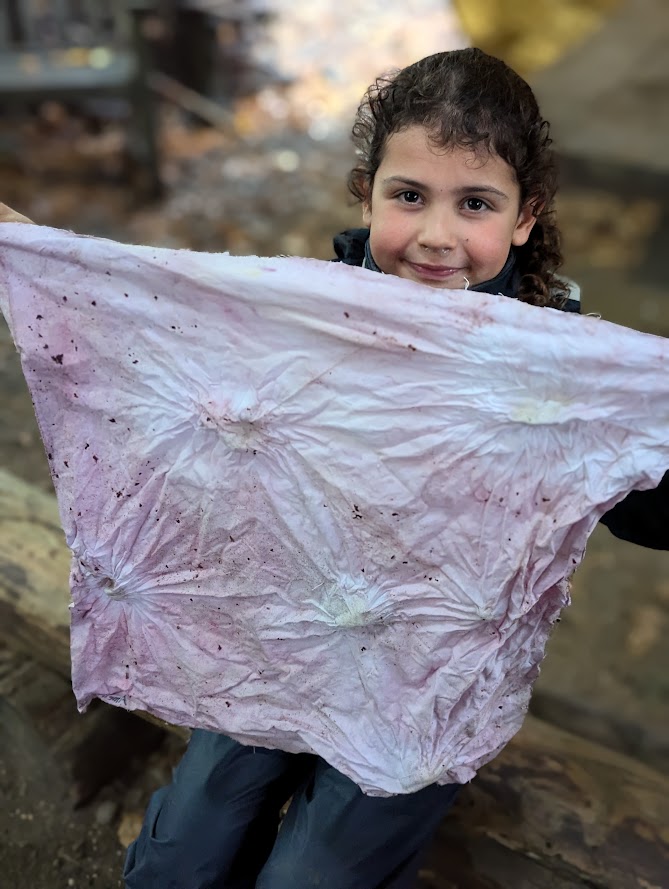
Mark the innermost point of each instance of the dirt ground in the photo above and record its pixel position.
(47, 839)
(279, 188)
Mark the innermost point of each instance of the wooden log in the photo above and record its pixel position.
(34, 579)
(34, 574)
(553, 811)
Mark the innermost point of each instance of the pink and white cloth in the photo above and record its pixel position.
(319, 508)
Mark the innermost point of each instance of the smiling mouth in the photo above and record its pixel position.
(436, 272)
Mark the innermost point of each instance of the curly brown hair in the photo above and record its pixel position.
(468, 99)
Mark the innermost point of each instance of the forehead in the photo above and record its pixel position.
(413, 153)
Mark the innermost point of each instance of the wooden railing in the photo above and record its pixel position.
(72, 49)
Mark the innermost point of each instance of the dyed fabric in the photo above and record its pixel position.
(318, 508)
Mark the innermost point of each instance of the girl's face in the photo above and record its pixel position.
(443, 217)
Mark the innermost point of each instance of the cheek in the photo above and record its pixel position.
(491, 242)
(390, 231)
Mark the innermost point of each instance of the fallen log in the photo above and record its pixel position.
(34, 574)
(34, 579)
(553, 811)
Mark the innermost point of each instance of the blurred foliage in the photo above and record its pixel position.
(531, 36)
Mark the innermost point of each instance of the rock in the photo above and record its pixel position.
(129, 827)
(105, 812)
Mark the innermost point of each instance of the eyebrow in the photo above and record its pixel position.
(462, 191)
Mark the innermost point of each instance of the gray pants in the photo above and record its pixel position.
(215, 826)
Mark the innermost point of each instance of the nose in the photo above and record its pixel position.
(438, 230)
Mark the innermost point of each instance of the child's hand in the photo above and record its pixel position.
(9, 215)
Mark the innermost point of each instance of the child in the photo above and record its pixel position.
(456, 181)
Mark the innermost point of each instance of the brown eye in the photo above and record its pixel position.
(410, 197)
(475, 204)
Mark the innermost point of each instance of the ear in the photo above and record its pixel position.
(367, 211)
(524, 224)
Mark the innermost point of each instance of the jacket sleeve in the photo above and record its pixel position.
(642, 517)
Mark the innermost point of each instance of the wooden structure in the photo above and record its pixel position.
(68, 50)
(553, 811)
(207, 47)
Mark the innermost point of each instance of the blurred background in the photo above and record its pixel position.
(222, 125)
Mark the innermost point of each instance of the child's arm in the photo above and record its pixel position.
(642, 517)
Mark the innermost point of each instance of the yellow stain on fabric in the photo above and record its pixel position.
(531, 36)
